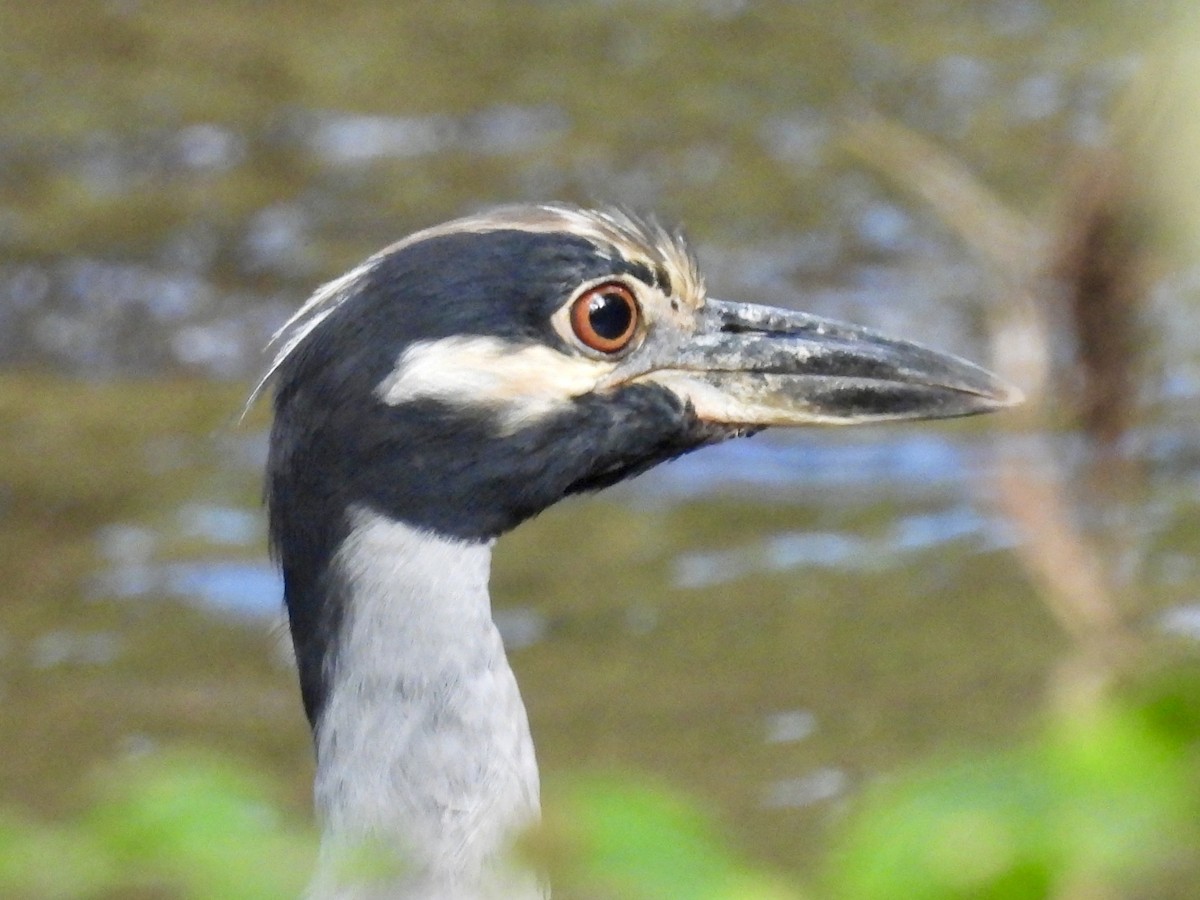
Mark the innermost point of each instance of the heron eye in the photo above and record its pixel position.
(605, 318)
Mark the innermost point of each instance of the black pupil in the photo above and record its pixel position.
(610, 315)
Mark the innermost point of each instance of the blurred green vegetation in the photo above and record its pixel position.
(176, 825)
(1103, 801)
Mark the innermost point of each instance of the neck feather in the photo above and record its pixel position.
(423, 743)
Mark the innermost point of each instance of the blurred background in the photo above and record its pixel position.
(771, 627)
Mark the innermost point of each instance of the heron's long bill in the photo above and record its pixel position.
(755, 366)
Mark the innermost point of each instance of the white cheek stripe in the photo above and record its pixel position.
(519, 383)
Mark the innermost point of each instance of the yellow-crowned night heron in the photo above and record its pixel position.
(447, 389)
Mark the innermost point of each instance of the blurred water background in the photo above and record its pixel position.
(769, 625)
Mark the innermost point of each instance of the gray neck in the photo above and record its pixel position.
(423, 746)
